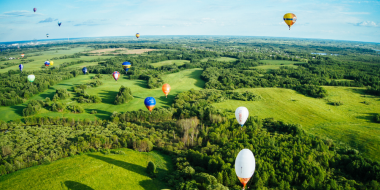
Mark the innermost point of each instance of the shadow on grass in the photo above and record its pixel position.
(167, 102)
(150, 184)
(368, 116)
(48, 95)
(18, 109)
(101, 114)
(108, 97)
(77, 186)
(142, 83)
(197, 75)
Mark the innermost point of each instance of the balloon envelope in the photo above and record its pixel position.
(22, 55)
(31, 78)
(47, 63)
(84, 70)
(241, 115)
(137, 35)
(245, 166)
(116, 75)
(47, 35)
(59, 23)
(21, 67)
(35, 9)
(166, 89)
(150, 102)
(51, 63)
(290, 19)
(126, 65)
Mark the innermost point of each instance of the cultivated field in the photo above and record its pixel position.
(276, 64)
(116, 51)
(170, 62)
(92, 171)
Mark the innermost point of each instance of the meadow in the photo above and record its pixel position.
(276, 64)
(351, 123)
(170, 62)
(92, 171)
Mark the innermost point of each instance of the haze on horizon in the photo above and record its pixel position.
(337, 20)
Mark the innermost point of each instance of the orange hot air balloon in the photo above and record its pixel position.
(166, 89)
(290, 19)
(22, 55)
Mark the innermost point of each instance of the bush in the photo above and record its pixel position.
(124, 95)
(151, 169)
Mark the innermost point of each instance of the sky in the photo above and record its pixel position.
(352, 20)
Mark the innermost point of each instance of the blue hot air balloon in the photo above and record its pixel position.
(59, 23)
(47, 63)
(84, 70)
(21, 67)
(150, 102)
(126, 66)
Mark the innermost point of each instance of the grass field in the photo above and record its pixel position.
(92, 171)
(350, 123)
(225, 59)
(170, 62)
(179, 82)
(276, 64)
(116, 51)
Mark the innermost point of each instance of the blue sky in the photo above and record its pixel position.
(330, 19)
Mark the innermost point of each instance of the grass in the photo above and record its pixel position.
(351, 123)
(276, 64)
(170, 62)
(92, 171)
(225, 59)
(179, 82)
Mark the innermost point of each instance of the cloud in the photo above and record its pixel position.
(92, 22)
(46, 20)
(21, 13)
(368, 24)
(355, 13)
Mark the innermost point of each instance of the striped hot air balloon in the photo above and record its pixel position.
(290, 19)
(126, 66)
(47, 63)
(22, 55)
(150, 102)
(137, 35)
(21, 67)
(116, 75)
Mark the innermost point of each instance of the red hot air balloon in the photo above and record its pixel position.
(116, 75)
(35, 9)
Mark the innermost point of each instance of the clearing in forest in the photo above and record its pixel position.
(116, 51)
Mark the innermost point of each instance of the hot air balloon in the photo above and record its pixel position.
(116, 75)
(59, 23)
(84, 70)
(21, 67)
(47, 35)
(51, 63)
(47, 63)
(241, 115)
(150, 102)
(126, 66)
(31, 78)
(34, 9)
(137, 35)
(22, 55)
(290, 19)
(245, 166)
(166, 89)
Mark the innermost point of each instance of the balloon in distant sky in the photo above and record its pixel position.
(241, 115)
(35, 9)
(116, 75)
(59, 23)
(47, 63)
(84, 70)
(290, 19)
(21, 67)
(22, 55)
(150, 102)
(31, 78)
(245, 166)
(126, 65)
(166, 89)
(137, 35)
(47, 35)
(51, 63)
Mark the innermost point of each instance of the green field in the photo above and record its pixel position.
(40, 59)
(225, 59)
(170, 62)
(276, 64)
(179, 82)
(350, 123)
(92, 171)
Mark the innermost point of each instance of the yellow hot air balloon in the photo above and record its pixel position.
(290, 19)
(137, 35)
(51, 63)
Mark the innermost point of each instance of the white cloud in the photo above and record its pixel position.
(368, 23)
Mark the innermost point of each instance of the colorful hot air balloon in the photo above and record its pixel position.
(241, 115)
(126, 66)
(51, 63)
(166, 89)
(84, 70)
(245, 166)
(34, 9)
(21, 67)
(137, 35)
(116, 75)
(22, 55)
(47, 35)
(59, 24)
(150, 102)
(290, 19)
(47, 63)
(31, 78)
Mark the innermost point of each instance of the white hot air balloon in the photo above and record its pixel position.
(245, 166)
(241, 115)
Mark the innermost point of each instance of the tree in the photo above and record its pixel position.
(151, 169)
(124, 95)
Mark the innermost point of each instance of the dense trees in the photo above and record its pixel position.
(124, 95)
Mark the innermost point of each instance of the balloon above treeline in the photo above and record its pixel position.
(47, 35)
(84, 70)
(59, 23)
(150, 102)
(290, 19)
(166, 89)
(126, 66)
(47, 63)
(137, 35)
(241, 115)
(34, 9)
(31, 78)
(21, 67)
(245, 166)
(22, 55)
(116, 75)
